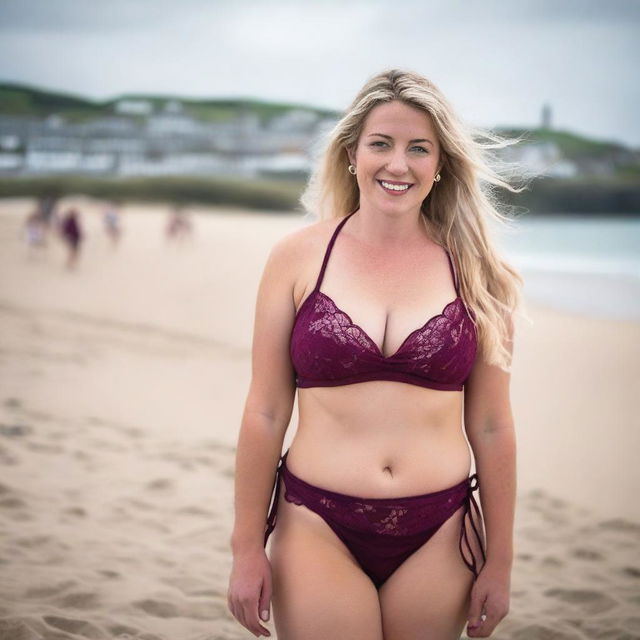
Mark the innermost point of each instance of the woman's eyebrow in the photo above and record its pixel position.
(382, 135)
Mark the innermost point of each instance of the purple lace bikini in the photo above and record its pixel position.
(328, 349)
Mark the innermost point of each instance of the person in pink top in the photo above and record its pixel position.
(391, 318)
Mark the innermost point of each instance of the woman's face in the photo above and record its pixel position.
(397, 157)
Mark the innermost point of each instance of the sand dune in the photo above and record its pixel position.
(121, 389)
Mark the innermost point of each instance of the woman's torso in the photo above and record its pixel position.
(379, 438)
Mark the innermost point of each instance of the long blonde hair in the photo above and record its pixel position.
(458, 209)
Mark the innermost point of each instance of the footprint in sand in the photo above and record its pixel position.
(78, 600)
(107, 573)
(212, 445)
(194, 587)
(122, 631)
(156, 525)
(587, 554)
(42, 447)
(140, 504)
(15, 430)
(47, 591)
(12, 502)
(81, 628)
(590, 601)
(9, 498)
(632, 623)
(34, 541)
(194, 510)
(620, 525)
(16, 629)
(158, 608)
(552, 561)
(159, 484)
(6, 459)
(197, 610)
(540, 631)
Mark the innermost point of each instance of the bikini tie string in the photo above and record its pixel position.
(273, 511)
(470, 506)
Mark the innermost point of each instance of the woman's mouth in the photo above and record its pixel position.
(395, 188)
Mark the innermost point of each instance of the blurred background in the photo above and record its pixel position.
(216, 103)
(151, 154)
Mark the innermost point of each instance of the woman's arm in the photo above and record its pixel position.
(265, 420)
(490, 429)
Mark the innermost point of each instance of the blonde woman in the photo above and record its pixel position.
(392, 318)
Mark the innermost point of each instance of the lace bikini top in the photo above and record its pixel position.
(327, 349)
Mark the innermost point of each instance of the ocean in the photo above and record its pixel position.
(578, 264)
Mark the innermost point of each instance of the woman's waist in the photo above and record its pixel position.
(378, 467)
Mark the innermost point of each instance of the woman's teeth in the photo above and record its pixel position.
(394, 187)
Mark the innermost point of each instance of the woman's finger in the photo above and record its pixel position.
(475, 609)
(494, 614)
(250, 618)
(264, 605)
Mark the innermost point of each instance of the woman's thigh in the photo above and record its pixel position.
(427, 597)
(319, 590)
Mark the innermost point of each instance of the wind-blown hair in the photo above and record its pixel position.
(457, 212)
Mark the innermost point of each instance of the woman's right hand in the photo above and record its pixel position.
(249, 594)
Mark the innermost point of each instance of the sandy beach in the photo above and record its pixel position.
(122, 385)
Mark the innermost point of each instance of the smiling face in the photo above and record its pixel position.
(397, 157)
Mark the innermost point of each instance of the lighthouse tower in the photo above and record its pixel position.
(546, 116)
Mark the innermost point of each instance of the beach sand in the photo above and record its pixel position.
(122, 385)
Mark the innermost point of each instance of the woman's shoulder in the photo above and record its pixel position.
(295, 257)
(303, 242)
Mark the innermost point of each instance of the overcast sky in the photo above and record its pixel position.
(498, 61)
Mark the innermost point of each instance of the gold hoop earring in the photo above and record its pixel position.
(437, 178)
(352, 170)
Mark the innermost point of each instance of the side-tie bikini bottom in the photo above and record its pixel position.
(381, 533)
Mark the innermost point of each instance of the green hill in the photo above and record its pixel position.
(570, 144)
(22, 100)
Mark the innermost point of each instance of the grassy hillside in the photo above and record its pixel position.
(571, 144)
(19, 100)
(22, 100)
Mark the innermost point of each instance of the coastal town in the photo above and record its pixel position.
(138, 136)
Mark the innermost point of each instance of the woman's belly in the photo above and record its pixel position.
(380, 439)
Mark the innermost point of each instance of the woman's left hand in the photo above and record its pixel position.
(489, 600)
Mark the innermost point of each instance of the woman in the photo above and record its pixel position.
(378, 534)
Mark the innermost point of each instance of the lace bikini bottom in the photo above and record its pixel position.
(381, 533)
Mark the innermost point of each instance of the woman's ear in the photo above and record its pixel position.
(352, 156)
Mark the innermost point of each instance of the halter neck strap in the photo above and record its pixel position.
(332, 241)
(454, 273)
(327, 253)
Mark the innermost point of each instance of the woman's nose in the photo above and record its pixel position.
(397, 163)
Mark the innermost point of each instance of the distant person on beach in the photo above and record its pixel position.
(47, 207)
(111, 220)
(72, 235)
(34, 233)
(392, 318)
(179, 226)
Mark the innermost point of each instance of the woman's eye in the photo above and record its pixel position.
(377, 143)
(421, 149)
